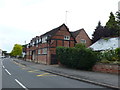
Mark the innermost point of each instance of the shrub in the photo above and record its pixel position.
(117, 51)
(77, 57)
(104, 61)
(110, 55)
(80, 45)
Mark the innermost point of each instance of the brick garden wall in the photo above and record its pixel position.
(107, 68)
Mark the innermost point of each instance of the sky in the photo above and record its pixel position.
(22, 20)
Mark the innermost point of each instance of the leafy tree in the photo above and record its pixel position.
(112, 28)
(17, 50)
(98, 33)
(112, 25)
(118, 21)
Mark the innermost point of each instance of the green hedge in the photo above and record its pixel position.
(77, 57)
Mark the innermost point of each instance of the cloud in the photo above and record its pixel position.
(22, 20)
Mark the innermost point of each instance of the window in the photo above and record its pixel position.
(44, 39)
(83, 41)
(66, 37)
(33, 44)
(44, 51)
(39, 51)
(37, 41)
(36, 45)
(28, 46)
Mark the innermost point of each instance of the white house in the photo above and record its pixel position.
(106, 44)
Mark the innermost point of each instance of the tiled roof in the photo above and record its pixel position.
(53, 31)
(74, 34)
(50, 33)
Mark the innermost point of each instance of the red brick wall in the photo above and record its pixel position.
(83, 35)
(56, 40)
(107, 68)
(42, 59)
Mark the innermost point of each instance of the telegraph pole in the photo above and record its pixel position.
(66, 17)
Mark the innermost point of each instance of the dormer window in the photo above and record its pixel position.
(44, 39)
(66, 37)
(33, 43)
(37, 41)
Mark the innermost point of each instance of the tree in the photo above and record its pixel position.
(118, 21)
(112, 25)
(98, 33)
(17, 50)
(118, 17)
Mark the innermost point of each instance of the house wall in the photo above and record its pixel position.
(83, 35)
(50, 56)
(58, 40)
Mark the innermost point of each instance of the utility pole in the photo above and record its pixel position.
(25, 42)
(119, 6)
(66, 17)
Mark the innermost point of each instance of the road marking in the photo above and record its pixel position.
(3, 66)
(33, 70)
(46, 74)
(7, 71)
(21, 84)
(43, 74)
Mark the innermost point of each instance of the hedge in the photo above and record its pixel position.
(76, 57)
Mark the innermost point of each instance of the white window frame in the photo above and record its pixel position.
(82, 40)
(44, 51)
(39, 51)
(66, 37)
(36, 45)
(44, 39)
(37, 41)
(27, 45)
(33, 43)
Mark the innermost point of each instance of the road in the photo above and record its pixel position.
(15, 75)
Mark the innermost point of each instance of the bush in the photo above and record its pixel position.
(110, 55)
(117, 51)
(104, 61)
(77, 57)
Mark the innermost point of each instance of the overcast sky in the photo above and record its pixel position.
(21, 20)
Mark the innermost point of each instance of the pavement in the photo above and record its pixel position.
(98, 78)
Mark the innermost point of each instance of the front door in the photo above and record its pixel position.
(54, 59)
